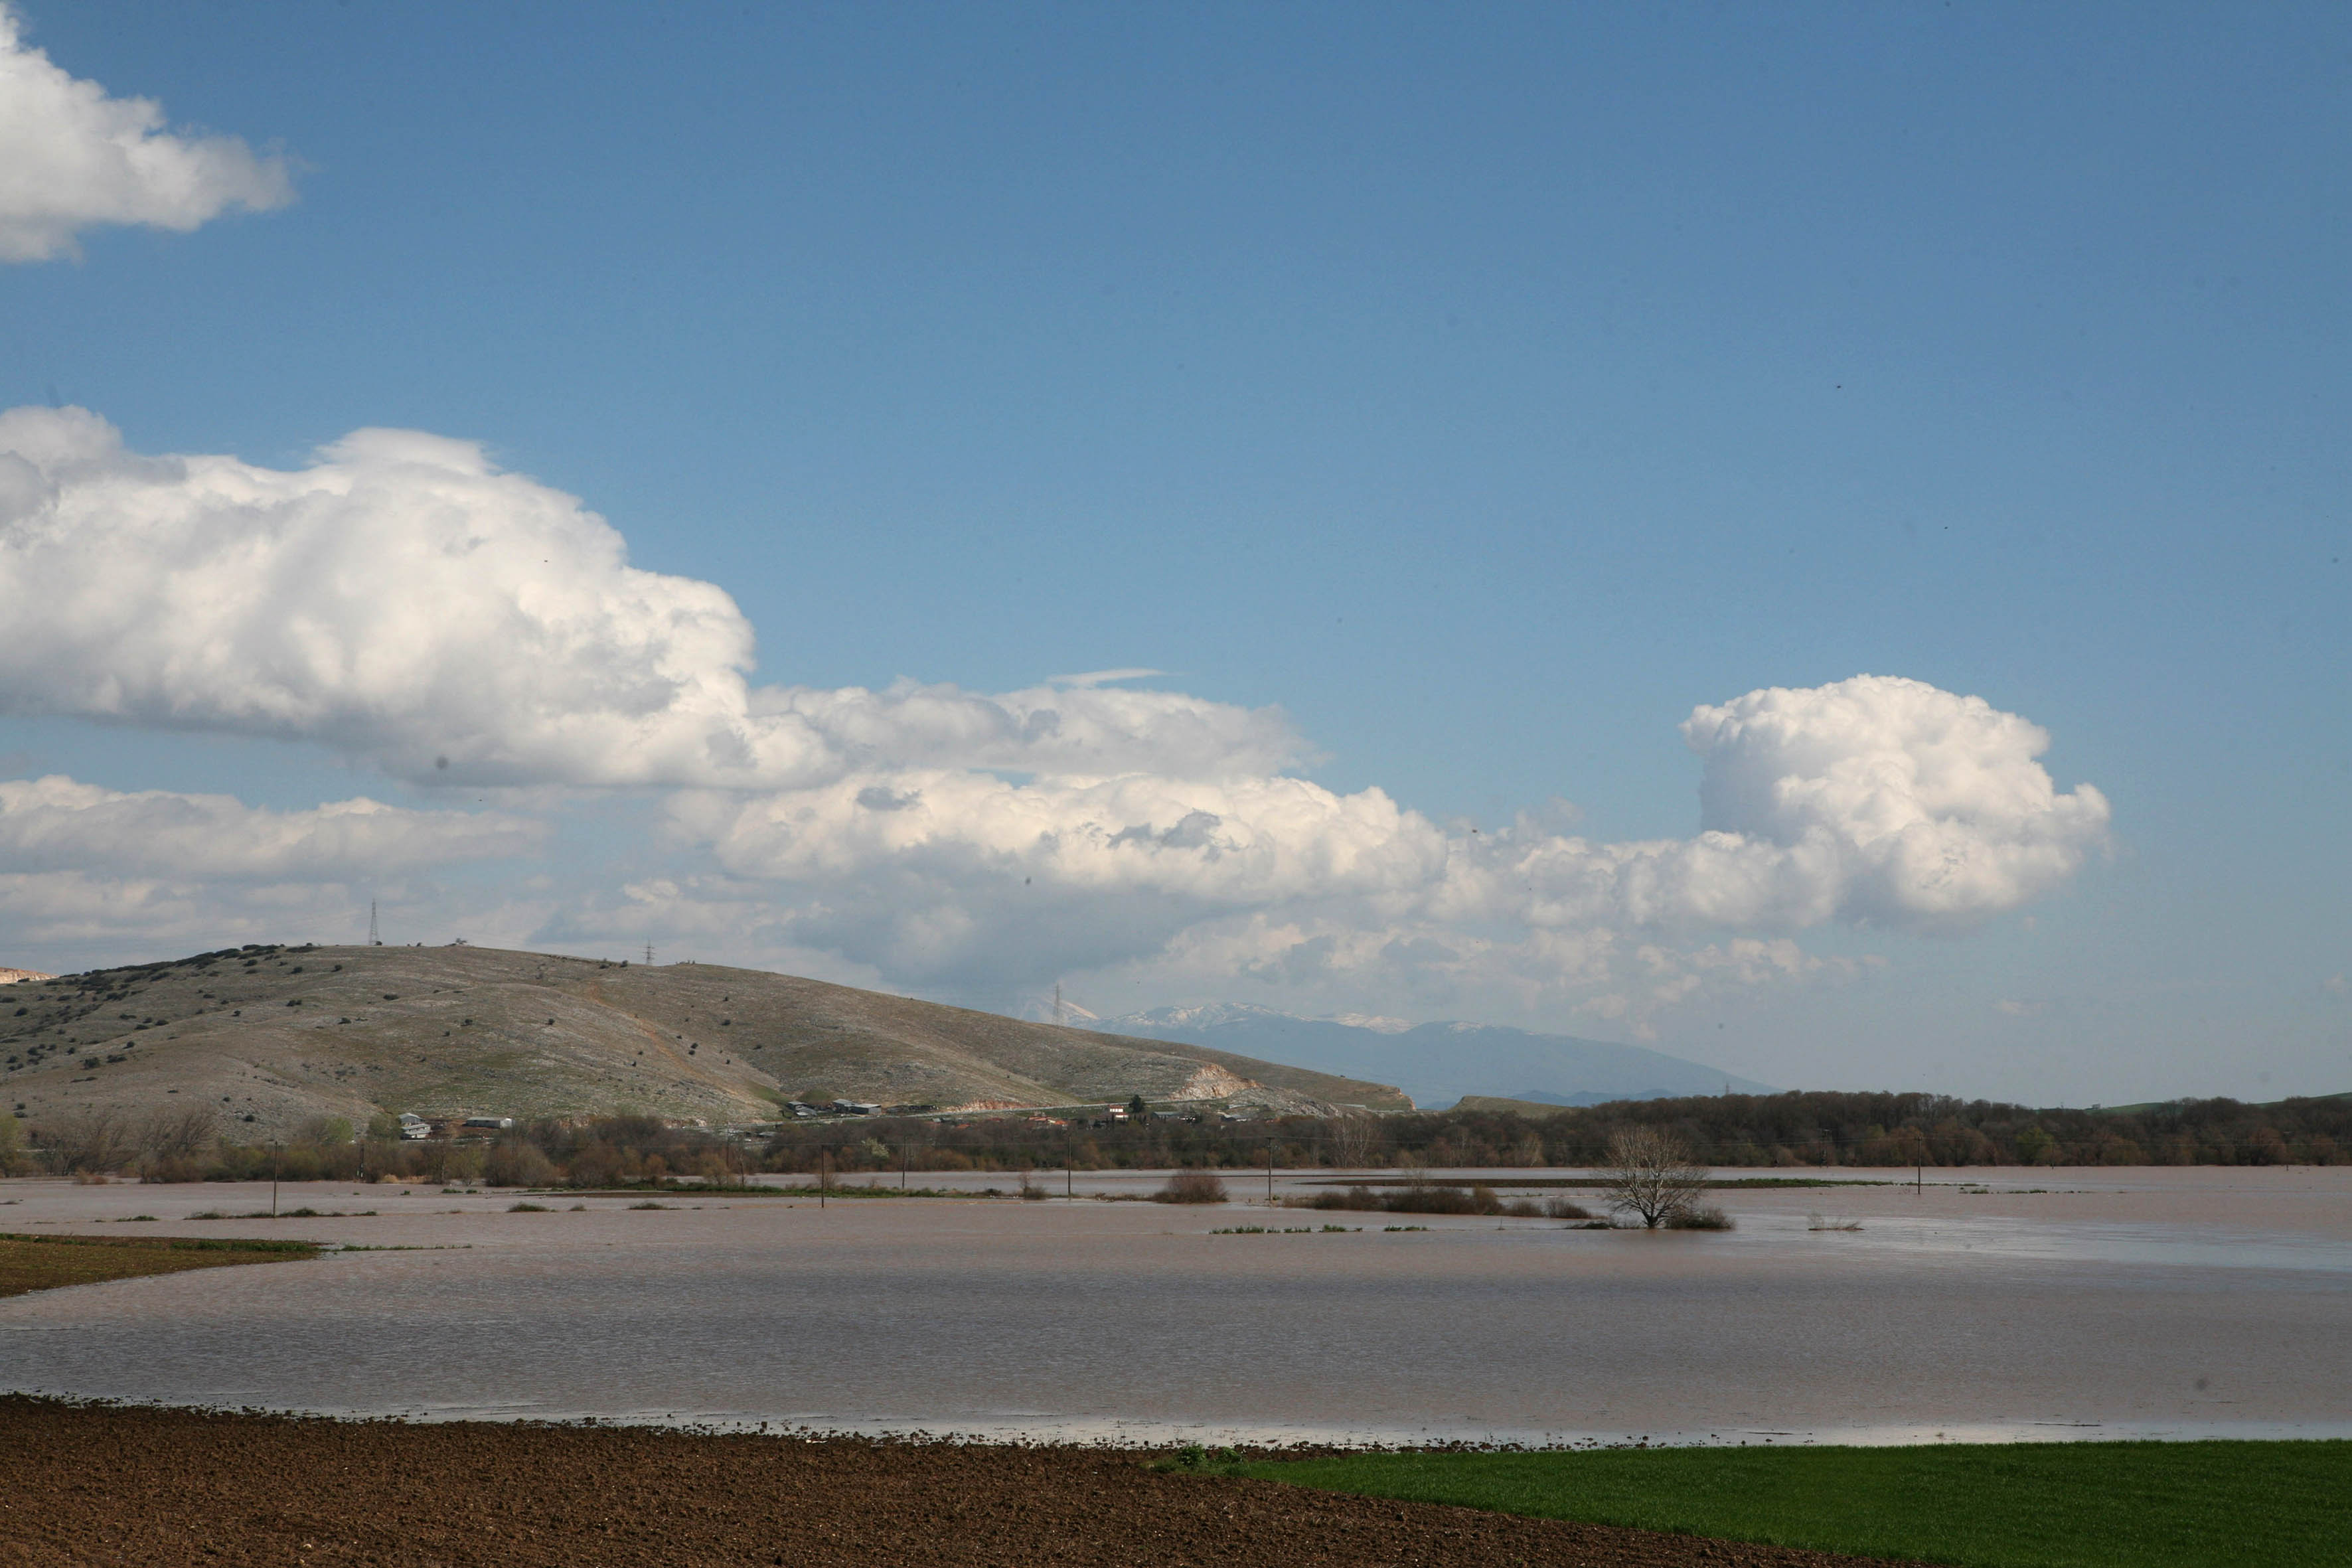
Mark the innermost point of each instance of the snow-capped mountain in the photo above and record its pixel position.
(1436, 1064)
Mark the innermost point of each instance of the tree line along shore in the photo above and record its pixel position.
(1788, 1131)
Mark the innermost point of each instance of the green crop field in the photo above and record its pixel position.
(2024, 1505)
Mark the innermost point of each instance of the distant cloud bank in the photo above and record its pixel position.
(72, 158)
(403, 603)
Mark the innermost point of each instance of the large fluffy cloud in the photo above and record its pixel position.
(1874, 801)
(72, 157)
(1931, 808)
(403, 601)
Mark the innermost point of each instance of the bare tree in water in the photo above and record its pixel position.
(1650, 1175)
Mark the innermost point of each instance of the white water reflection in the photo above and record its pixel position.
(2200, 1304)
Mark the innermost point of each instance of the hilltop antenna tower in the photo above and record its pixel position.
(649, 955)
(374, 940)
(1061, 1015)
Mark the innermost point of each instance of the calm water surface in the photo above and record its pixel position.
(2141, 1302)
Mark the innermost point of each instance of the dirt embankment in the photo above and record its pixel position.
(175, 1488)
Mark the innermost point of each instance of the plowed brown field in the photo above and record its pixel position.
(133, 1485)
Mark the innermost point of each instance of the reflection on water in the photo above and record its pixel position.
(2102, 1309)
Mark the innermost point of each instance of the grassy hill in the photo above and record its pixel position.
(279, 1034)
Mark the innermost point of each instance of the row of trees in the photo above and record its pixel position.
(1792, 1130)
(1881, 1129)
(1767, 1130)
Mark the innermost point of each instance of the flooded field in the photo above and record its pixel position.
(2041, 1303)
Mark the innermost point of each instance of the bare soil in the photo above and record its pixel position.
(91, 1484)
(45, 1262)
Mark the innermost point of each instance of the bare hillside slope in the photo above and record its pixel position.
(278, 1035)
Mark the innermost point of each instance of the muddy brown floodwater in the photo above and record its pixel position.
(175, 1489)
(2027, 1303)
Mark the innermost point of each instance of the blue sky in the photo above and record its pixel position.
(1485, 389)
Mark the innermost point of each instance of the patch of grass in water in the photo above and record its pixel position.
(2211, 1504)
(1270, 1230)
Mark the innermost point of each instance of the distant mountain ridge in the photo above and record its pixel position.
(1438, 1064)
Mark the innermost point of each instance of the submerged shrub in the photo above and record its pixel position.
(515, 1164)
(1429, 1198)
(171, 1168)
(1192, 1185)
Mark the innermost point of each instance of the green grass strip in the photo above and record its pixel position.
(2016, 1505)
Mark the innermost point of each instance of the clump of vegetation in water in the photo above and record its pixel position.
(1191, 1185)
(1440, 1197)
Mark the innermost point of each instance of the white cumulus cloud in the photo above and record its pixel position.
(90, 874)
(72, 158)
(1871, 801)
(1931, 806)
(403, 601)
(1241, 841)
(57, 824)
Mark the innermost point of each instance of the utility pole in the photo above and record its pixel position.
(1270, 1172)
(273, 1178)
(822, 1172)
